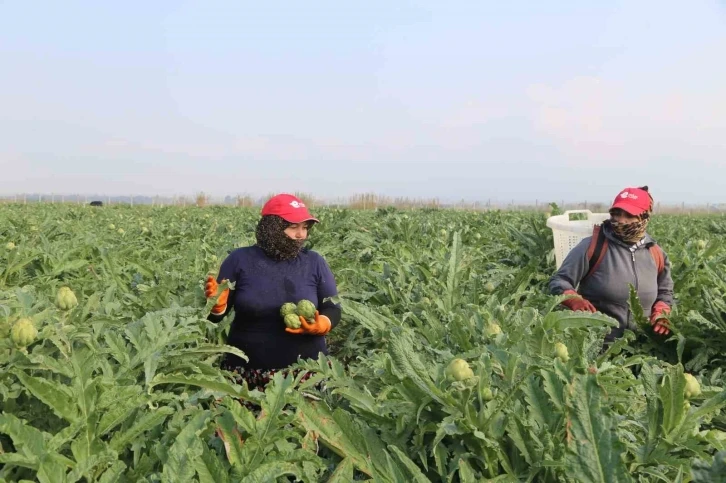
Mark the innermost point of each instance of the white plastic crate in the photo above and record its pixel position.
(568, 233)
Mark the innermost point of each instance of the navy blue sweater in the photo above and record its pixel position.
(262, 285)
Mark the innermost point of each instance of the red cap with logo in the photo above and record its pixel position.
(635, 201)
(288, 207)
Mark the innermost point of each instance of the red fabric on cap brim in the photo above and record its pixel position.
(291, 218)
(628, 207)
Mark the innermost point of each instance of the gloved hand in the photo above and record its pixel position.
(578, 304)
(660, 309)
(210, 290)
(321, 326)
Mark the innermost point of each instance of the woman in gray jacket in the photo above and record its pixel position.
(599, 270)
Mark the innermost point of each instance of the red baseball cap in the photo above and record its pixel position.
(635, 201)
(288, 207)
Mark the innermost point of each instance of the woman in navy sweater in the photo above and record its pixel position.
(276, 270)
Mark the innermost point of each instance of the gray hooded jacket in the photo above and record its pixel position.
(607, 287)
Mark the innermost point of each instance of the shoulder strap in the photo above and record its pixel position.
(599, 245)
(657, 253)
(597, 249)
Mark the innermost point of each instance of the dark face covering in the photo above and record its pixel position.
(274, 242)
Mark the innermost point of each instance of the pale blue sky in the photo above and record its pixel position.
(546, 100)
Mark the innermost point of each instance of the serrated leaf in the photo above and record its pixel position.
(539, 404)
(114, 473)
(90, 462)
(269, 472)
(91, 305)
(519, 435)
(209, 467)
(466, 473)
(215, 349)
(343, 472)
(653, 415)
(17, 459)
(554, 388)
(316, 417)
(151, 363)
(228, 433)
(370, 319)
(117, 348)
(147, 422)
(441, 456)
(657, 475)
(594, 451)
(69, 267)
(27, 439)
(52, 394)
(447, 427)
(671, 392)
(408, 364)
(186, 450)
(126, 400)
(636, 308)
(561, 320)
(65, 435)
(206, 382)
(42, 361)
(51, 471)
(87, 453)
(272, 405)
(710, 405)
(414, 470)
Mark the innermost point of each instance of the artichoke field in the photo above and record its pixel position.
(451, 364)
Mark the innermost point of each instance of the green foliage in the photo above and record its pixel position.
(123, 383)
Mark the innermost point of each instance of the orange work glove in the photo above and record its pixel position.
(578, 304)
(210, 290)
(660, 310)
(321, 326)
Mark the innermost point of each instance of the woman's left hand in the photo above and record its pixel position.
(321, 326)
(658, 318)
